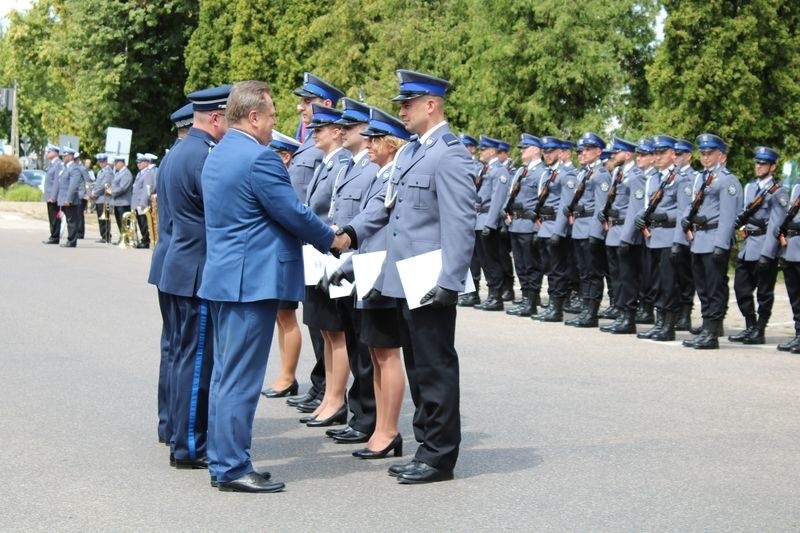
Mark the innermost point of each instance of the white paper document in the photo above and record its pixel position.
(420, 273)
(331, 265)
(366, 268)
(313, 264)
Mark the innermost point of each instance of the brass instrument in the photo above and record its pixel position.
(130, 231)
(152, 220)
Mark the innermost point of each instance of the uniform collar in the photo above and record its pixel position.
(533, 163)
(329, 157)
(427, 135)
(359, 156)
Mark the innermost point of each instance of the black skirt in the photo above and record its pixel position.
(380, 328)
(320, 312)
(287, 304)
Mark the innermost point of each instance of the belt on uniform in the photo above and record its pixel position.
(584, 214)
(547, 211)
(706, 227)
(481, 209)
(617, 221)
(755, 232)
(792, 232)
(545, 218)
(662, 224)
(521, 214)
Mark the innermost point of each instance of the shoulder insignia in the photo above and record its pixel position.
(732, 190)
(638, 194)
(604, 187)
(687, 191)
(503, 178)
(329, 165)
(343, 158)
(449, 139)
(783, 200)
(571, 184)
(364, 161)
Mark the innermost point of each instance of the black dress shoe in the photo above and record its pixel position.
(305, 398)
(309, 407)
(396, 446)
(50, 241)
(101, 241)
(143, 245)
(68, 245)
(400, 468)
(469, 300)
(291, 390)
(191, 464)
(424, 473)
(307, 419)
(339, 417)
(350, 436)
(492, 304)
(171, 459)
(787, 346)
(252, 482)
(507, 295)
(333, 432)
(264, 474)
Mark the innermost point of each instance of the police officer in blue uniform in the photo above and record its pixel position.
(70, 192)
(657, 221)
(588, 236)
(681, 257)
(431, 205)
(647, 297)
(471, 299)
(489, 203)
(623, 236)
(788, 235)
(765, 206)
(522, 198)
(711, 232)
(51, 192)
(182, 274)
(306, 159)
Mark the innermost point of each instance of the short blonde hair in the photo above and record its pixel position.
(246, 96)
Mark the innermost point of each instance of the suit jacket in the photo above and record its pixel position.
(182, 271)
(720, 206)
(143, 187)
(164, 222)
(618, 209)
(769, 217)
(561, 193)
(121, 186)
(51, 179)
(434, 208)
(70, 184)
(254, 237)
(301, 169)
(104, 177)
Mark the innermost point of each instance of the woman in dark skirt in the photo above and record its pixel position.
(380, 329)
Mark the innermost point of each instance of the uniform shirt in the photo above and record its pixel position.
(568, 181)
(618, 209)
(767, 218)
(597, 183)
(326, 179)
(347, 196)
(636, 180)
(720, 206)
(528, 195)
(684, 192)
(663, 237)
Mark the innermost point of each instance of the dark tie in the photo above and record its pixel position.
(414, 147)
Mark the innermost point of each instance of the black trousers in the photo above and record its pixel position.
(104, 225)
(361, 396)
(433, 375)
(120, 210)
(489, 256)
(612, 279)
(630, 276)
(526, 261)
(317, 376)
(475, 266)
(143, 230)
(82, 218)
(649, 287)
(683, 275)
(505, 260)
(166, 303)
(668, 297)
(573, 273)
(791, 275)
(749, 279)
(711, 281)
(590, 258)
(71, 214)
(557, 266)
(55, 221)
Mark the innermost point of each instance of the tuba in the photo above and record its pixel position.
(130, 231)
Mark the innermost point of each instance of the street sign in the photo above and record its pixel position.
(70, 141)
(5, 98)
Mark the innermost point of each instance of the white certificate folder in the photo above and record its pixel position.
(420, 273)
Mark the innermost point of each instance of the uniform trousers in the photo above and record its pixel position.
(749, 278)
(649, 287)
(432, 368)
(120, 210)
(668, 291)
(191, 376)
(361, 395)
(629, 258)
(243, 335)
(791, 275)
(317, 376)
(612, 279)
(489, 257)
(711, 282)
(526, 261)
(590, 257)
(55, 221)
(505, 259)
(475, 266)
(166, 303)
(70, 212)
(143, 229)
(683, 275)
(557, 266)
(81, 212)
(104, 225)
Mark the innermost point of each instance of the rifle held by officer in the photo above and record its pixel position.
(755, 205)
(655, 199)
(612, 195)
(579, 190)
(793, 210)
(696, 203)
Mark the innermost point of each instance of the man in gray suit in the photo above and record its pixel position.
(121, 191)
(98, 195)
(430, 198)
(70, 191)
(51, 193)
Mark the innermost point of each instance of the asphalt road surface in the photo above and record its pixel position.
(563, 429)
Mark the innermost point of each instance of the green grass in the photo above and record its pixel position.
(21, 193)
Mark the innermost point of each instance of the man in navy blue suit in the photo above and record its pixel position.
(253, 261)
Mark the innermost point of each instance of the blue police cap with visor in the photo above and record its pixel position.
(468, 140)
(353, 112)
(316, 87)
(382, 123)
(707, 142)
(415, 84)
(644, 146)
(183, 117)
(765, 154)
(283, 143)
(551, 143)
(488, 142)
(322, 115)
(590, 139)
(526, 140)
(683, 146)
(212, 99)
(621, 145)
(503, 146)
(663, 142)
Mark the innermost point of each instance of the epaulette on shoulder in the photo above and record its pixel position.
(344, 158)
(450, 139)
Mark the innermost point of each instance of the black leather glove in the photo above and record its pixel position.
(515, 206)
(339, 276)
(530, 214)
(601, 216)
(659, 217)
(739, 222)
(440, 297)
(373, 296)
(579, 209)
(565, 210)
(764, 263)
(639, 222)
(776, 233)
(554, 241)
(686, 224)
(486, 231)
(700, 220)
(719, 255)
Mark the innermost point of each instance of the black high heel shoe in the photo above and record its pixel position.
(396, 445)
(291, 390)
(339, 417)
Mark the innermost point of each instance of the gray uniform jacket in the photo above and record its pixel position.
(70, 184)
(326, 175)
(552, 204)
(662, 237)
(760, 228)
(618, 209)
(491, 197)
(685, 179)
(121, 186)
(720, 207)
(104, 177)
(792, 250)
(347, 197)
(636, 185)
(51, 180)
(301, 169)
(593, 198)
(527, 196)
(143, 187)
(434, 208)
(568, 177)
